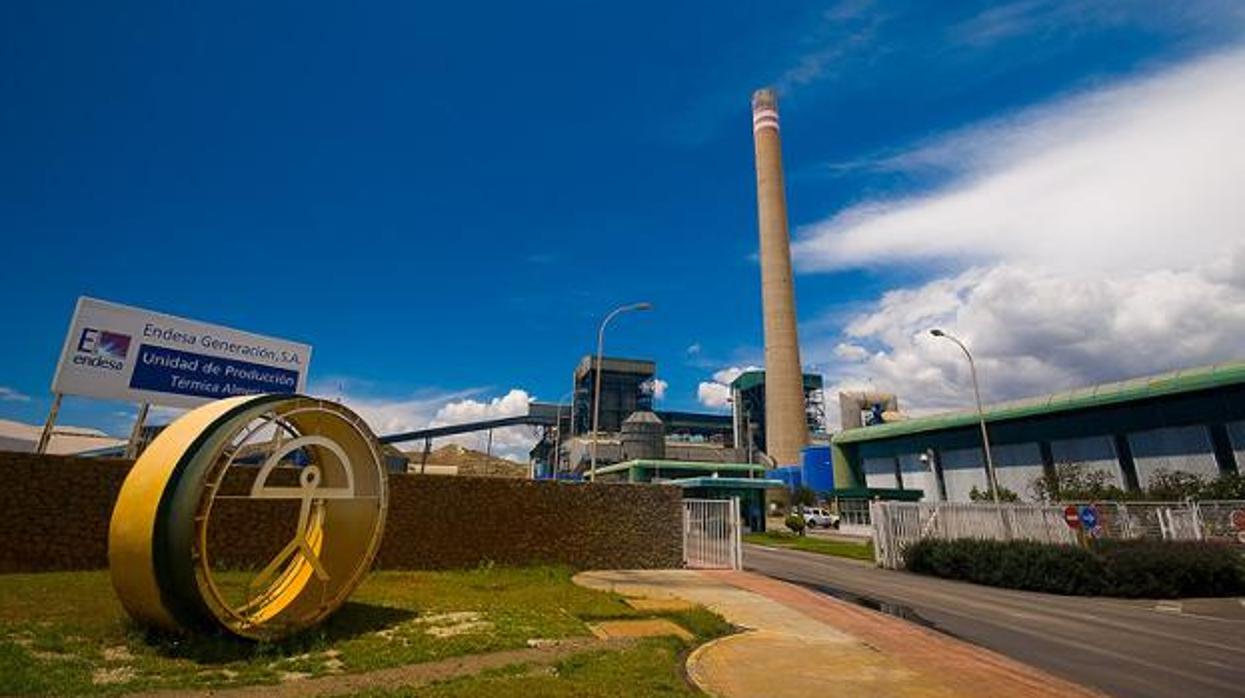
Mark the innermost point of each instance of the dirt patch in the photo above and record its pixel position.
(412, 675)
(115, 675)
(660, 605)
(118, 653)
(439, 625)
(649, 627)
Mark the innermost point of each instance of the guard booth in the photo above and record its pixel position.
(749, 492)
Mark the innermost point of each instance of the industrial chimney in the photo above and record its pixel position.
(786, 426)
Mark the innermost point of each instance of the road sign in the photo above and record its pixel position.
(1238, 523)
(1089, 518)
(1238, 519)
(1072, 517)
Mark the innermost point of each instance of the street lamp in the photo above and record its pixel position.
(596, 390)
(981, 416)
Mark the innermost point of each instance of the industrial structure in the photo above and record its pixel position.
(748, 410)
(786, 426)
(631, 429)
(1192, 420)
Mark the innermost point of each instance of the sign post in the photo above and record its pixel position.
(45, 436)
(131, 448)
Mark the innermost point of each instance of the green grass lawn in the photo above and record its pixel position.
(783, 539)
(66, 634)
(642, 670)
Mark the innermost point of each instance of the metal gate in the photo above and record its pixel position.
(711, 534)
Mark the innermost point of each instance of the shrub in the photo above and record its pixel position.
(796, 523)
(1164, 569)
(1061, 569)
(1227, 486)
(1174, 486)
(1151, 569)
(1077, 482)
(1005, 495)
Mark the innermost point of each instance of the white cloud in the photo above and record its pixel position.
(10, 395)
(658, 388)
(693, 349)
(509, 442)
(1093, 239)
(1121, 178)
(392, 416)
(850, 352)
(1067, 19)
(713, 395)
(1033, 332)
(716, 393)
(838, 38)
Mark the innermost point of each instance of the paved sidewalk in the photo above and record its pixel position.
(797, 642)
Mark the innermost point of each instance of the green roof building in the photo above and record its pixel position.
(1192, 420)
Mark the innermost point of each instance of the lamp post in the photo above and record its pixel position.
(596, 390)
(981, 416)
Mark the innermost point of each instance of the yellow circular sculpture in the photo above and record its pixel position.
(305, 467)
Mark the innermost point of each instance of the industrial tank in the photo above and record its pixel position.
(643, 437)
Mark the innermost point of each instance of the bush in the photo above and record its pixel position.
(1077, 482)
(1142, 568)
(1174, 486)
(1005, 495)
(796, 523)
(1163, 569)
(1060, 569)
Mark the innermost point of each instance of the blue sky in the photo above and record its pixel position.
(443, 198)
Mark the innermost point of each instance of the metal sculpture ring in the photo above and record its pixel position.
(175, 562)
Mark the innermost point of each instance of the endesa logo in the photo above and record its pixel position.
(102, 349)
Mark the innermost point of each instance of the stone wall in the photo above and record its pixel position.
(54, 514)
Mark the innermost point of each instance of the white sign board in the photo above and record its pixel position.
(121, 353)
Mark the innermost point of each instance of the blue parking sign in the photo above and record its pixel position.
(1089, 518)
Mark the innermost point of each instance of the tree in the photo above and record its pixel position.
(803, 496)
(1229, 486)
(1077, 482)
(1175, 486)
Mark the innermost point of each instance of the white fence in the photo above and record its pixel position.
(711, 534)
(899, 524)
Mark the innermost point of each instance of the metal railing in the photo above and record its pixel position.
(899, 524)
(854, 512)
(711, 534)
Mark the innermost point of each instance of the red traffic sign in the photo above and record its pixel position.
(1072, 517)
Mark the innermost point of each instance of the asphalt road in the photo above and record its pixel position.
(1123, 647)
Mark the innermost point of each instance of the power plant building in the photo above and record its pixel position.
(1192, 420)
